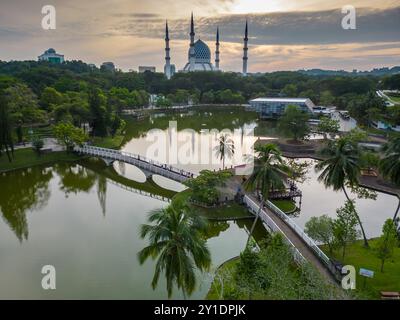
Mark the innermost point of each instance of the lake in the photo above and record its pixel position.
(83, 218)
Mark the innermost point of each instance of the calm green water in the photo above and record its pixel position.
(77, 220)
(316, 200)
(81, 219)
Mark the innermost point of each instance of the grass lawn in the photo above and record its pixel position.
(230, 210)
(27, 157)
(395, 98)
(286, 206)
(108, 142)
(361, 257)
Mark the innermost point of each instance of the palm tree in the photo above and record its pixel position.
(176, 240)
(268, 174)
(390, 164)
(225, 148)
(340, 168)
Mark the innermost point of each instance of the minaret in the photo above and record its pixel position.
(167, 67)
(217, 51)
(245, 49)
(192, 54)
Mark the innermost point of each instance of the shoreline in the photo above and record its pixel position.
(44, 159)
(373, 183)
(309, 151)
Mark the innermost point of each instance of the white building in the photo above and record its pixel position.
(272, 108)
(52, 56)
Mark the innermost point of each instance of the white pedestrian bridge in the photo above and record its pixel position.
(148, 166)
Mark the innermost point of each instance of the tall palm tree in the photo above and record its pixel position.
(340, 168)
(390, 164)
(176, 240)
(269, 173)
(225, 148)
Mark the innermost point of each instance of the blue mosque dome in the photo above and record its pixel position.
(202, 51)
(202, 58)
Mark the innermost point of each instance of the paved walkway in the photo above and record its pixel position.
(303, 248)
(49, 143)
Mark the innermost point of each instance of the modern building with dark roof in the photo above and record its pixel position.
(273, 108)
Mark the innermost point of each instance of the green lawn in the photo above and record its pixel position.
(395, 98)
(108, 142)
(27, 157)
(286, 206)
(361, 257)
(230, 210)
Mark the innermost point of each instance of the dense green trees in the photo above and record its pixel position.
(69, 135)
(328, 127)
(99, 115)
(77, 76)
(41, 92)
(270, 272)
(293, 123)
(23, 105)
(320, 229)
(387, 242)
(344, 226)
(6, 140)
(204, 188)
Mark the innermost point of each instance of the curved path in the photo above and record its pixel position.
(304, 248)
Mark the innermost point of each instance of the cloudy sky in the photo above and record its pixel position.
(284, 34)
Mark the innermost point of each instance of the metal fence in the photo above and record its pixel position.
(272, 226)
(308, 241)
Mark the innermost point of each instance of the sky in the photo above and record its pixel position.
(283, 34)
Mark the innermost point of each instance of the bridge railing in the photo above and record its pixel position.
(300, 232)
(273, 227)
(118, 155)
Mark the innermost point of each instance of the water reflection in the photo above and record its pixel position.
(75, 178)
(67, 229)
(23, 190)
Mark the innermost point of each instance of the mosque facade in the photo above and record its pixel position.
(199, 53)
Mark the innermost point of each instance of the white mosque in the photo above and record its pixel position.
(199, 54)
